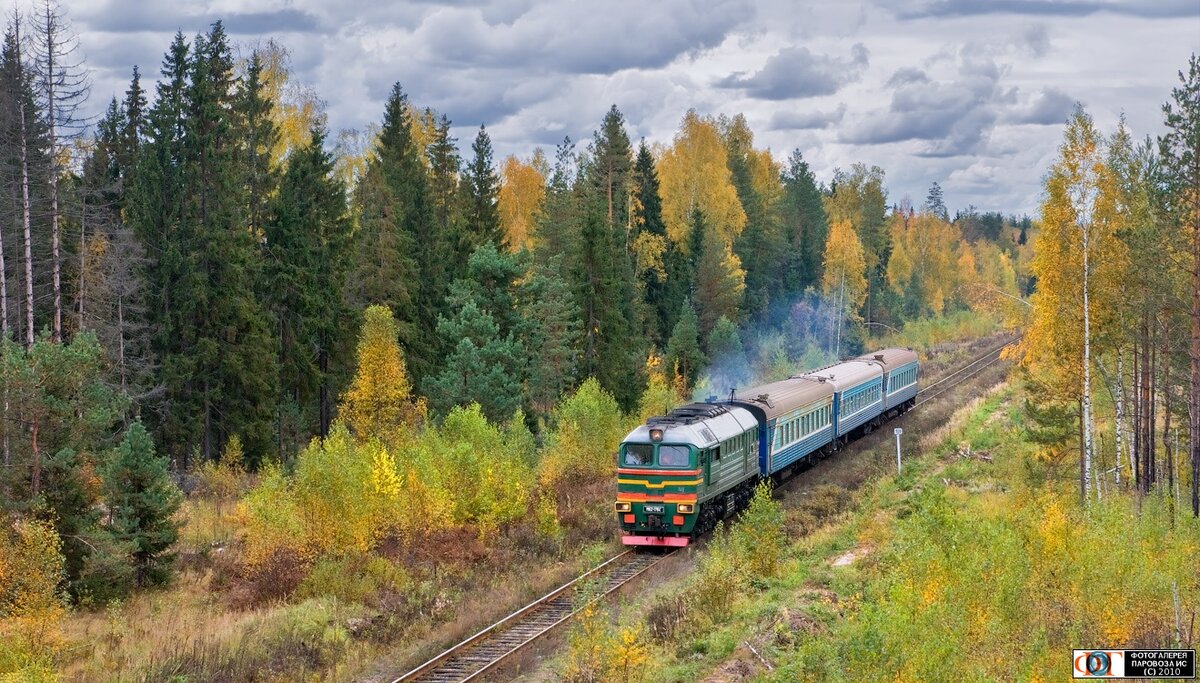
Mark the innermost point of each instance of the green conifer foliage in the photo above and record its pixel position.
(306, 246)
(684, 356)
(551, 317)
(399, 258)
(142, 501)
(482, 367)
(481, 194)
(805, 225)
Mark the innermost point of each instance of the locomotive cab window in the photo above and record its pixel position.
(637, 454)
(716, 453)
(674, 456)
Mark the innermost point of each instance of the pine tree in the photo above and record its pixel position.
(1180, 152)
(683, 355)
(482, 366)
(491, 282)
(142, 500)
(481, 192)
(306, 246)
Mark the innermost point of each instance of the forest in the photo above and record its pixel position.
(310, 376)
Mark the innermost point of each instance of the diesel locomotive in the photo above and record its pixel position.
(681, 473)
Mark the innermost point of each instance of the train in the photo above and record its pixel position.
(680, 474)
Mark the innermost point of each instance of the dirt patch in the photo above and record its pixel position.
(848, 558)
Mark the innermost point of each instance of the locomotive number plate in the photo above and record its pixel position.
(654, 508)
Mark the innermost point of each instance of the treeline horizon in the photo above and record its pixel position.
(220, 251)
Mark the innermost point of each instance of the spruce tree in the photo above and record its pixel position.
(253, 112)
(399, 259)
(805, 225)
(224, 374)
(664, 289)
(762, 245)
(305, 245)
(558, 221)
(602, 273)
(444, 167)
(729, 369)
(684, 356)
(551, 318)
(481, 193)
(935, 203)
(142, 500)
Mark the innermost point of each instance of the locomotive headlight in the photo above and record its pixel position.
(685, 508)
(623, 507)
(656, 435)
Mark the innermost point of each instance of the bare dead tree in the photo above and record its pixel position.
(63, 86)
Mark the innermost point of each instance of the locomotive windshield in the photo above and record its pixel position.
(674, 456)
(638, 454)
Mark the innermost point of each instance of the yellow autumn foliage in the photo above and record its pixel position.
(580, 448)
(922, 264)
(845, 271)
(522, 189)
(1052, 347)
(379, 401)
(31, 607)
(694, 174)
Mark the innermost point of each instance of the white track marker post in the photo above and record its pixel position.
(897, 431)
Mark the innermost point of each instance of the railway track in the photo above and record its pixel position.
(483, 652)
(971, 369)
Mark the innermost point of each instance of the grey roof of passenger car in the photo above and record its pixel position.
(892, 357)
(784, 396)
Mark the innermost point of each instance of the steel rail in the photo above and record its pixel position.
(477, 655)
(490, 647)
(977, 370)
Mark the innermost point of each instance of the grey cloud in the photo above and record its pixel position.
(131, 16)
(573, 37)
(1037, 40)
(796, 72)
(954, 117)
(1061, 8)
(907, 75)
(806, 120)
(1052, 106)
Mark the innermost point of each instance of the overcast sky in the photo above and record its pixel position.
(970, 93)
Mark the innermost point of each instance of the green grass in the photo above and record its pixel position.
(966, 569)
